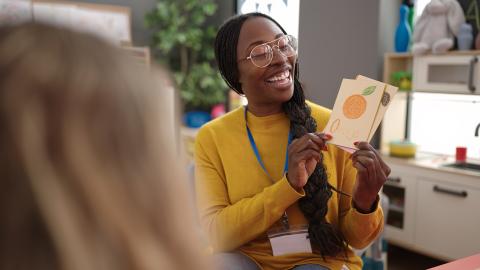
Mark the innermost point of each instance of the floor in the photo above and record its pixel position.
(402, 259)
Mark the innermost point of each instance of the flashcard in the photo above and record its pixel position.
(358, 111)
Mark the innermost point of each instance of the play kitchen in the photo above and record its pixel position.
(430, 138)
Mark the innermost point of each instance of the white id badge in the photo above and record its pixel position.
(293, 240)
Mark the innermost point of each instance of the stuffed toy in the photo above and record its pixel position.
(437, 26)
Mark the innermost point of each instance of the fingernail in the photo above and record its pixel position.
(328, 136)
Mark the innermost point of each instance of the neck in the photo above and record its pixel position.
(264, 109)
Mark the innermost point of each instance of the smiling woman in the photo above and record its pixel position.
(271, 195)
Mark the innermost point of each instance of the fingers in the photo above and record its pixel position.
(367, 166)
(366, 147)
(324, 135)
(370, 165)
(303, 155)
(362, 169)
(365, 153)
(362, 145)
(372, 173)
(306, 155)
(308, 141)
(386, 169)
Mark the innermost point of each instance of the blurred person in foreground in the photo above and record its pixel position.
(87, 171)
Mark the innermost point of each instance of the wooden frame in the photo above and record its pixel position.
(141, 54)
(95, 7)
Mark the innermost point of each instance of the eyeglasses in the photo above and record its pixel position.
(262, 55)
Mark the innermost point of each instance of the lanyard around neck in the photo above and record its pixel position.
(257, 153)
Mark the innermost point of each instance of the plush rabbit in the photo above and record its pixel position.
(437, 26)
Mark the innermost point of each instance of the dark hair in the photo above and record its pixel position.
(327, 238)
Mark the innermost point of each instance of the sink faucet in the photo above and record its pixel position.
(476, 130)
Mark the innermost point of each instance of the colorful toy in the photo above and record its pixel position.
(402, 79)
(437, 26)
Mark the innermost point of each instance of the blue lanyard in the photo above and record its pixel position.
(257, 154)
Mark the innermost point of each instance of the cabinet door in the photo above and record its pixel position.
(400, 190)
(448, 219)
(446, 73)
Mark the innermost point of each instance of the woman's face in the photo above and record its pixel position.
(269, 85)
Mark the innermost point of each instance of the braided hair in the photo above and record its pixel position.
(325, 237)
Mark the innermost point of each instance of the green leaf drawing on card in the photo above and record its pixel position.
(369, 90)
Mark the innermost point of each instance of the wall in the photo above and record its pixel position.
(388, 20)
(337, 39)
(141, 35)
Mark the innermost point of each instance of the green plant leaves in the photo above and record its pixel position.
(369, 90)
(181, 37)
(202, 88)
(210, 9)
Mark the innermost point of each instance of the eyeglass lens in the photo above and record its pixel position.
(262, 54)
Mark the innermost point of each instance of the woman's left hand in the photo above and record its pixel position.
(372, 174)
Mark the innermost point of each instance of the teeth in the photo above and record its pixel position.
(280, 76)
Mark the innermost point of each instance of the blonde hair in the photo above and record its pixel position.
(89, 178)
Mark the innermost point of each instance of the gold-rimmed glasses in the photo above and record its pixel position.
(262, 55)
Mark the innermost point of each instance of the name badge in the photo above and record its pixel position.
(293, 240)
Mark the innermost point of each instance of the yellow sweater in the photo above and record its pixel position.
(238, 203)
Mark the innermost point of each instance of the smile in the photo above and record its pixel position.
(280, 77)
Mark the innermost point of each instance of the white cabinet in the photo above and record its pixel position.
(401, 191)
(450, 73)
(432, 211)
(448, 219)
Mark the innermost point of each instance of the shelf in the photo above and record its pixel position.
(396, 208)
(395, 220)
(398, 55)
(411, 55)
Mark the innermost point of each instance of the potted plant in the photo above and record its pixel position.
(183, 41)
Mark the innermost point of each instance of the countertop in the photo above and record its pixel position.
(432, 162)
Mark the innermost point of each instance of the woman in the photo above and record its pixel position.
(257, 200)
(86, 169)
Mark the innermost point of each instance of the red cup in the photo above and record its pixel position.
(461, 154)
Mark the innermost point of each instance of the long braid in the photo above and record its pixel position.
(318, 191)
(324, 236)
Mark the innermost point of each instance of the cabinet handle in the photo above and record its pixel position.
(471, 70)
(394, 179)
(462, 193)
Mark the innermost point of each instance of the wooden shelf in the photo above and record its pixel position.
(398, 55)
(393, 62)
(141, 55)
(411, 55)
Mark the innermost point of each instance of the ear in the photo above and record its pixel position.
(455, 16)
(420, 26)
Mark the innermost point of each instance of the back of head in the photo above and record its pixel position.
(88, 176)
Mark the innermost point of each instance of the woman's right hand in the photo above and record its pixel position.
(303, 156)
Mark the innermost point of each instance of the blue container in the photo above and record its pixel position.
(465, 37)
(196, 119)
(403, 32)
